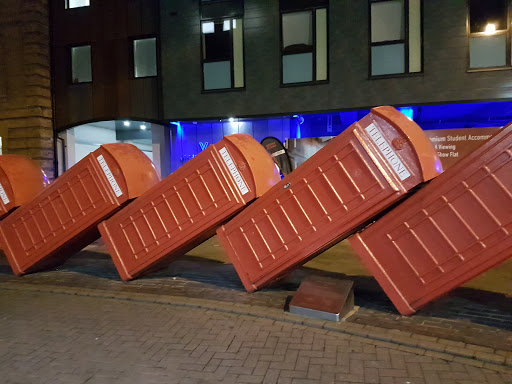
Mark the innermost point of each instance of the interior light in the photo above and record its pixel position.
(179, 130)
(231, 119)
(407, 111)
(490, 29)
(299, 118)
(208, 27)
(143, 126)
(126, 123)
(226, 26)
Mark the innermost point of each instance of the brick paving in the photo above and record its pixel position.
(467, 315)
(60, 338)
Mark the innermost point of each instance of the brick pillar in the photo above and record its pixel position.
(26, 124)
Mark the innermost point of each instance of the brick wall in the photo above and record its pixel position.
(25, 96)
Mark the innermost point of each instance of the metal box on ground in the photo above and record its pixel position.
(452, 230)
(370, 166)
(20, 180)
(63, 217)
(323, 298)
(186, 208)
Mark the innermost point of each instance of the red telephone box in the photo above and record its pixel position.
(361, 172)
(452, 230)
(20, 180)
(63, 217)
(186, 208)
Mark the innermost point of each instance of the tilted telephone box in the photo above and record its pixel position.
(452, 230)
(186, 207)
(21, 179)
(364, 170)
(63, 217)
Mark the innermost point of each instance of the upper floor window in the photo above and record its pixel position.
(81, 70)
(395, 34)
(304, 41)
(76, 3)
(222, 44)
(489, 39)
(144, 57)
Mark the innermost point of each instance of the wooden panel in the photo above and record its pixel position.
(109, 27)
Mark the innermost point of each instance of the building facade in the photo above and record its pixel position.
(194, 70)
(443, 76)
(92, 55)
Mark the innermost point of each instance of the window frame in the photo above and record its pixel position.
(231, 53)
(404, 41)
(70, 63)
(131, 49)
(313, 10)
(508, 42)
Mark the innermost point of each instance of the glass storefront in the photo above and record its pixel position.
(172, 145)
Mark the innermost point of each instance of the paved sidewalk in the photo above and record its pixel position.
(60, 338)
(472, 326)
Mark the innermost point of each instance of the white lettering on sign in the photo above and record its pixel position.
(275, 154)
(234, 172)
(388, 152)
(3, 195)
(110, 176)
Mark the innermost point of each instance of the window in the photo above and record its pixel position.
(489, 40)
(144, 57)
(76, 3)
(303, 41)
(222, 46)
(81, 71)
(395, 37)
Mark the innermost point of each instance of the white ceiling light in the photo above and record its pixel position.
(143, 126)
(490, 29)
(126, 123)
